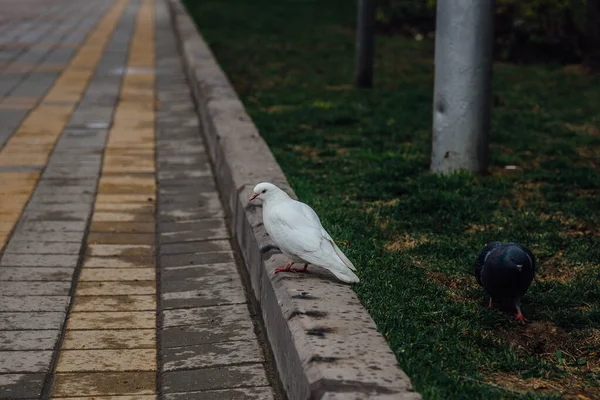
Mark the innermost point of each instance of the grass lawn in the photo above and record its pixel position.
(360, 158)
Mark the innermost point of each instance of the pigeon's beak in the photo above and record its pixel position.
(255, 195)
(519, 267)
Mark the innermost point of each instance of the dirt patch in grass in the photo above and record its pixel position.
(306, 151)
(590, 129)
(404, 242)
(455, 285)
(574, 354)
(570, 388)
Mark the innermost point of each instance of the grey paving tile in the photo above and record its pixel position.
(31, 320)
(214, 378)
(247, 393)
(29, 340)
(21, 247)
(179, 260)
(195, 247)
(193, 236)
(187, 327)
(38, 260)
(33, 303)
(36, 273)
(211, 355)
(25, 361)
(15, 288)
(49, 237)
(21, 386)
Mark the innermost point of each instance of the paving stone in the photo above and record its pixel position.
(54, 226)
(31, 321)
(121, 200)
(123, 227)
(104, 383)
(187, 327)
(195, 247)
(43, 215)
(120, 262)
(202, 285)
(167, 192)
(111, 320)
(34, 303)
(199, 201)
(56, 237)
(176, 175)
(211, 355)
(110, 339)
(115, 288)
(193, 236)
(179, 260)
(21, 247)
(28, 340)
(117, 274)
(106, 360)
(189, 214)
(62, 199)
(114, 303)
(24, 361)
(123, 250)
(37, 260)
(14, 288)
(123, 217)
(21, 386)
(121, 238)
(203, 225)
(246, 393)
(36, 274)
(214, 378)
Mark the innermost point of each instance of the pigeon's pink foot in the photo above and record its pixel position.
(305, 269)
(490, 304)
(287, 268)
(519, 317)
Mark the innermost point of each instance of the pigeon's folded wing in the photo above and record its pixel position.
(299, 232)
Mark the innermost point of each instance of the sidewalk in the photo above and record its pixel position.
(117, 274)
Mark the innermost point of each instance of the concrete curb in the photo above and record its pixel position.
(325, 344)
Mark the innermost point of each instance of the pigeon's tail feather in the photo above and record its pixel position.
(342, 256)
(346, 276)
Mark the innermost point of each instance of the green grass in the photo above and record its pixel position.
(360, 158)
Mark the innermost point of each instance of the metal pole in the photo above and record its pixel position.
(365, 26)
(463, 79)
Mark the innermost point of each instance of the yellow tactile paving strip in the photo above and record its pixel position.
(33, 142)
(110, 342)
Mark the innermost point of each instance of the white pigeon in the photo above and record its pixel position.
(296, 229)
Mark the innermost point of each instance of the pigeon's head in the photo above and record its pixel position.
(266, 191)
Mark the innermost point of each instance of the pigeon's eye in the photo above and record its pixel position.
(264, 191)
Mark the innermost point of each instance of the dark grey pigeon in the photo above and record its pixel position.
(505, 270)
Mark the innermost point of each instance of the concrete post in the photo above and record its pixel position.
(463, 79)
(365, 27)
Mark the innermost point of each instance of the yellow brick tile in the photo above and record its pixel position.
(114, 303)
(123, 227)
(106, 339)
(122, 217)
(121, 238)
(117, 274)
(107, 360)
(125, 198)
(120, 262)
(115, 288)
(112, 320)
(103, 384)
(147, 207)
